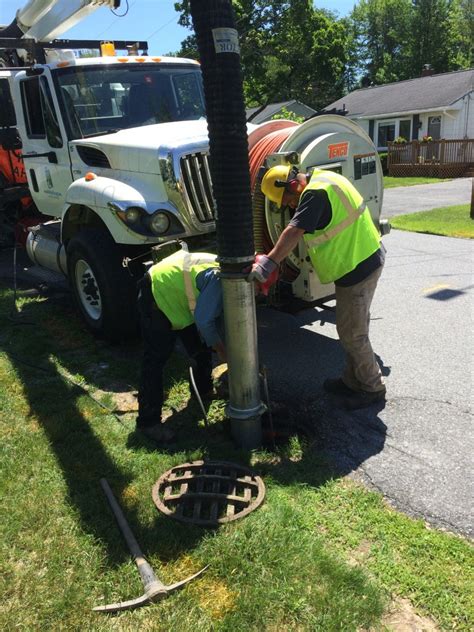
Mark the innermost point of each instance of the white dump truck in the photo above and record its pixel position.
(111, 157)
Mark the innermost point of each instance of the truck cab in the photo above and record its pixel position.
(115, 150)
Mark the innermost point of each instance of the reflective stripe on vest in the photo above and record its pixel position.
(350, 236)
(173, 282)
(353, 214)
(188, 261)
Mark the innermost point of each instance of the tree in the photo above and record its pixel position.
(430, 30)
(380, 32)
(289, 116)
(289, 50)
(391, 40)
(461, 34)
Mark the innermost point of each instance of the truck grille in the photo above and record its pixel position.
(197, 185)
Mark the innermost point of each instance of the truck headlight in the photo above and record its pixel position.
(159, 223)
(132, 214)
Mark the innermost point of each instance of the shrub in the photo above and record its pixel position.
(290, 116)
(383, 155)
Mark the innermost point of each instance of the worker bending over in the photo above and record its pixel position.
(181, 296)
(345, 248)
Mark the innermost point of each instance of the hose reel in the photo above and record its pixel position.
(327, 142)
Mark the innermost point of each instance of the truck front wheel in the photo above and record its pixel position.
(103, 289)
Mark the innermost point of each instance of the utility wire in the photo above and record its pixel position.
(123, 14)
(159, 29)
(118, 18)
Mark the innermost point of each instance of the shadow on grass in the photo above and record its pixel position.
(335, 442)
(48, 334)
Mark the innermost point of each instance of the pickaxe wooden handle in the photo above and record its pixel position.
(154, 589)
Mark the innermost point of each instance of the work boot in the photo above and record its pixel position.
(157, 433)
(336, 386)
(362, 399)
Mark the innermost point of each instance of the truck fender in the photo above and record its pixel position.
(105, 196)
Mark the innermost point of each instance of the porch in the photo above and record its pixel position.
(436, 158)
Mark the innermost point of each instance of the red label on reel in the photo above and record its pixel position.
(338, 150)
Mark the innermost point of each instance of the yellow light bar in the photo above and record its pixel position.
(107, 49)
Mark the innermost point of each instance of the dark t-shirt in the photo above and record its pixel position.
(314, 213)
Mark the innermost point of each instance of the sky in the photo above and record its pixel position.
(152, 20)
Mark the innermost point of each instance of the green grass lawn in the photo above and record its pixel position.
(321, 554)
(450, 221)
(390, 182)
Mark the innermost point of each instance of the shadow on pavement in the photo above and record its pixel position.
(299, 359)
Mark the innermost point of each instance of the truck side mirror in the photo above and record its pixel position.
(10, 139)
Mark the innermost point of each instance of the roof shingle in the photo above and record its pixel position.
(412, 95)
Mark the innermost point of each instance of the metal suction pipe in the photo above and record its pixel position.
(219, 54)
(245, 406)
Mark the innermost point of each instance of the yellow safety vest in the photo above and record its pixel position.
(173, 284)
(351, 235)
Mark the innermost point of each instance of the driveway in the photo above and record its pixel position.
(418, 449)
(423, 197)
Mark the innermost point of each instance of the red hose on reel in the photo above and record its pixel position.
(257, 155)
(267, 145)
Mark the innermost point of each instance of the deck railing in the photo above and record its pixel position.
(442, 158)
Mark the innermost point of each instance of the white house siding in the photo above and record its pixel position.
(364, 123)
(453, 127)
(465, 119)
(456, 122)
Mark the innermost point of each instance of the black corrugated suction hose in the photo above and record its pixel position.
(216, 35)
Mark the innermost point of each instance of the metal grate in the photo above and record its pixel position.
(197, 185)
(208, 493)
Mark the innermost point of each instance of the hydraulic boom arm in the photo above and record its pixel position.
(45, 20)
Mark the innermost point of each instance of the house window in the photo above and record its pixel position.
(405, 129)
(386, 134)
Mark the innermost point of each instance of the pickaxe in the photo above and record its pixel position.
(154, 589)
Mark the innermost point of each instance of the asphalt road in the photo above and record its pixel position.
(423, 197)
(418, 449)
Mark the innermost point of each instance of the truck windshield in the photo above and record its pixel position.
(103, 99)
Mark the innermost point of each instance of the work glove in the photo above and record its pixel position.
(263, 269)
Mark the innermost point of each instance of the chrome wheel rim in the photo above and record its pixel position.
(88, 290)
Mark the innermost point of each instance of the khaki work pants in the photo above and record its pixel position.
(362, 372)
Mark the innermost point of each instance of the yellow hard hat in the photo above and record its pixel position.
(272, 183)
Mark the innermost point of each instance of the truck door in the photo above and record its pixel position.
(45, 146)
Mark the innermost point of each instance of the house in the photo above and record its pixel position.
(268, 112)
(440, 106)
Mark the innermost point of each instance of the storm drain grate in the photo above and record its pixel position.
(208, 493)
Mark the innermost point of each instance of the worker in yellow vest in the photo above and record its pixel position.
(180, 296)
(345, 248)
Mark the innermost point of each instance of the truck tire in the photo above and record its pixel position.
(104, 290)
